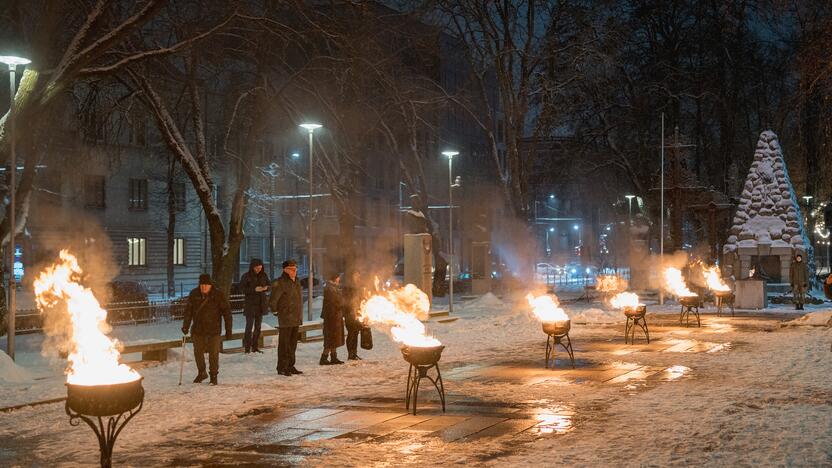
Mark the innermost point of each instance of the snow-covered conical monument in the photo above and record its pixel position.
(768, 227)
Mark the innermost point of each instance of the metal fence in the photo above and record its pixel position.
(126, 313)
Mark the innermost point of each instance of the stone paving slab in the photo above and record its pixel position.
(435, 424)
(505, 428)
(467, 427)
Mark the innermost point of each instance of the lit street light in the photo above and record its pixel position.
(12, 62)
(450, 155)
(629, 208)
(311, 127)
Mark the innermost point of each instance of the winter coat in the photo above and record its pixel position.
(204, 314)
(256, 303)
(286, 301)
(799, 275)
(352, 297)
(332, 313)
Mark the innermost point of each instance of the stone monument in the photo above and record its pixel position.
(767, 228)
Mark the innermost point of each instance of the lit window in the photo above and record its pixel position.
(178, 251)
(136, 251)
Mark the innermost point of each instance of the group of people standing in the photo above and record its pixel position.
(206, 308)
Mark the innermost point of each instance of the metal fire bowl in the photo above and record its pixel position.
(104, 400)
(556, 328)
(422, 355)
(689, 301)
(724, 294)
(637, 311)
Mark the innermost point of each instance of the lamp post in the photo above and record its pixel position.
(548, 248)
(310, 127)
(629, 208)
(12, 62)
(450, 155)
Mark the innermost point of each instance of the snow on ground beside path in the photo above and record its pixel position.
(487, 301)
(595, 315)
(766, 401)
(820, 318)
(10, 372)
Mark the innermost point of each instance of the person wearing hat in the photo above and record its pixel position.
(286, 302)
(254, 284)
(205, 310)
(799, 279)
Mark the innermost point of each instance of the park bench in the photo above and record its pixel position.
(158, 350)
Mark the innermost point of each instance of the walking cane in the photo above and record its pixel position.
(182, 359)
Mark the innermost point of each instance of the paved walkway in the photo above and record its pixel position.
(290, 435)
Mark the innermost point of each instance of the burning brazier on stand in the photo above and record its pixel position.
(555, 324)
(118, 403)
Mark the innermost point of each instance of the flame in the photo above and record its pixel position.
(714, 280)
(675, 284)
(401, 309)
(546, 309)
(93, 357)
(610, 283)
(625, 300)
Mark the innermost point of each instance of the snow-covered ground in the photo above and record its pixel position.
(763, 399)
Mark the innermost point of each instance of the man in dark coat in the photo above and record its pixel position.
(286, 302)
(352, 296)
(254, 284)
(205, 311)
(799, 279)
(333, 326)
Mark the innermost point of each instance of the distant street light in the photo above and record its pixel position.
(311, 127)
(450, 155)
(629, 208)
(12, 62)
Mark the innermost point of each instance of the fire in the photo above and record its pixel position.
(675, 284)
(546, 308)
(93, 357)
(625, 300)
(610, 283)
(714, 280)
(401, 309)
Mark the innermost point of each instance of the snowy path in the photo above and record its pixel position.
(755, 393)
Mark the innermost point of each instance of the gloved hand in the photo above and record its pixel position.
(184, 330)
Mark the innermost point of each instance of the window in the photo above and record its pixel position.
(179, 196)
(138, 194)
(178, 251)
(94, 191)
(136, 251)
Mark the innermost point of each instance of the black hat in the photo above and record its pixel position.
(255, 262)
(205, 279)
(289, 263)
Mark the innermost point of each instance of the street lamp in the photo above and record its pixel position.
(629, 208)
(12, 62)
(548, 247)
(311, 127)
(450, 155)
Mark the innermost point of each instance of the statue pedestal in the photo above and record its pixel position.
(418, 262)
(751, 294)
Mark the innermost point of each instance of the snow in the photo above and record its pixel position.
(10, 372)
(764, 401)
(597, 316)
(821, 318)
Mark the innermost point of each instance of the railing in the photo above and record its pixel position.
(577, 279)
(126, 313)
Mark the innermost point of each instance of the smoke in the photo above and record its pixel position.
(93, 248)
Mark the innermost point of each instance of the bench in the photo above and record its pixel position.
(158, 350)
